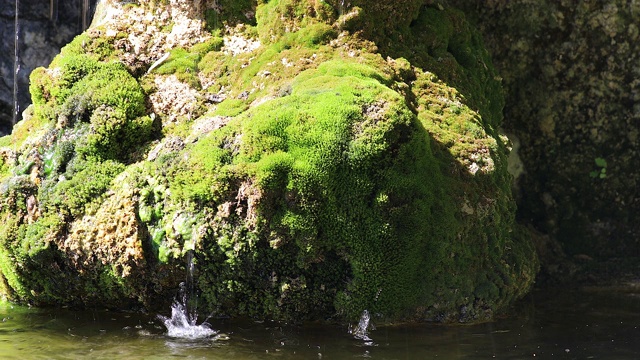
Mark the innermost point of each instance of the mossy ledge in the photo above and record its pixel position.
(312, 177)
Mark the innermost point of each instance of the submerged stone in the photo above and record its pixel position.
(337, 171)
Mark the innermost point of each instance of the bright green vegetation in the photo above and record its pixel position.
(88, 119)
(230, 12)
(81, 91)
(86, 181)
(184, 63)
(335, 180)
(332, 179)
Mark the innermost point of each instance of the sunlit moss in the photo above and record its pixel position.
(183, 63)
(86, 182)
(230, 12)
(105, 95)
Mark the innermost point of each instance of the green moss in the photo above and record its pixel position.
(310, 36)
(294, 23)
(86, 182)
(30, 126)
(5, 171)
(181, 129)
(38, 235)
(202, 176)
(340, 181)
(230, 12)
(5, 141)
(218, 66)
(102, 94)
(91, 44)
(184, 63)
(93, 84)
(55, 161)
(343, 165)
(26, 252)
(213, 44)
(441, 42)
(9, 227)
(231, 107)
(307, 145)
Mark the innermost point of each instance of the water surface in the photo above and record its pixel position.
(546, 325)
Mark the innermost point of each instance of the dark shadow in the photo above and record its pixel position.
(51, 25)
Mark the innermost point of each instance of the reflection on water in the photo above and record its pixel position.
(579, 325)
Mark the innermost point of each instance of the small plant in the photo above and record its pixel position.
(601, 172)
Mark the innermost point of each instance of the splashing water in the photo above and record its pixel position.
(181, 324)
(184, 315)
(361, 332)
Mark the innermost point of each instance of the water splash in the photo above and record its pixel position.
(181, 324)
(184, 314)
(361, 331)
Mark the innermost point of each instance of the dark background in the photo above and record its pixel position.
(44, 27)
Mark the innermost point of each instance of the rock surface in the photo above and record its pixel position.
(570, 71)
(314, 165)
(44, 28)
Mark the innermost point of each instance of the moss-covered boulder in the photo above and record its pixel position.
(312, 166)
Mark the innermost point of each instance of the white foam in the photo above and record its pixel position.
(181, 325)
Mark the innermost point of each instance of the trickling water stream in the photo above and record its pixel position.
(16, 63)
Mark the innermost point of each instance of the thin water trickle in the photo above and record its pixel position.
(85, 14)
(53, 10)
(183, 322)
(16, 63)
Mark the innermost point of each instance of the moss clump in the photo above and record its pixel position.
(81, 192)
(331, 184)
(294, 22)
(83, 90)
(230, 12)
(184, 63)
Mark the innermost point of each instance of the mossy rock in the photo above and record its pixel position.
(325, 177)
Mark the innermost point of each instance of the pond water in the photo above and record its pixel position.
(546, 325)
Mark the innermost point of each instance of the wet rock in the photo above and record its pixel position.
(44, 29)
